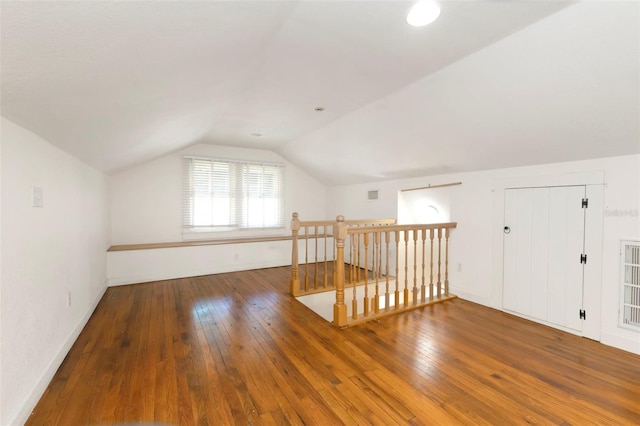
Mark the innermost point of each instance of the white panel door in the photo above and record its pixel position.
(517, 253)
(566, 244)
(543, 241)
(539, 249)
(525, 257)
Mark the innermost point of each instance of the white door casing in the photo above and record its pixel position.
(594, 181)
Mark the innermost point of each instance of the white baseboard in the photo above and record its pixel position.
(615, 339)
(470, 296)
(38, 390)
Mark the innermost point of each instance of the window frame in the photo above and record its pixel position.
(243, 179)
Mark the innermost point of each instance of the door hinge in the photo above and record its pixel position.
(583, 314)
(585, 203)
(583, 258)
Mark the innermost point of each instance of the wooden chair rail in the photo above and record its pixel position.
(195, 243)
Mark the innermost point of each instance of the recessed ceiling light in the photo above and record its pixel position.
(423, 13)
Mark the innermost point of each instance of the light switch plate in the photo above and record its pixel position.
(38, 196)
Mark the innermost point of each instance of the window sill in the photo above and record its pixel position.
(208, 234)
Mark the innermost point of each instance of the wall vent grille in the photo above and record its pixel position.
(372, 195)
(630, 292)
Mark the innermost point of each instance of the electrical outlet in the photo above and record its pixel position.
(68, 299)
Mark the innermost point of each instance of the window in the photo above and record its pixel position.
(226, 195)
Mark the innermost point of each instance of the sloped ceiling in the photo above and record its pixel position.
(490, 84)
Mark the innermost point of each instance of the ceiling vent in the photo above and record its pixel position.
(372, 195)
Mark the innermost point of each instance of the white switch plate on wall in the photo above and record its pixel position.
(38, 196)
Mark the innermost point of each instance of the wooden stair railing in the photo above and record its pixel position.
(412, 254)
(364, 255)
(315, 239)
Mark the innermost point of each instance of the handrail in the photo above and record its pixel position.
(370, 222)
(412, 227)
(358, 222)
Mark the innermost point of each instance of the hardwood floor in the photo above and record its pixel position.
(237, 349)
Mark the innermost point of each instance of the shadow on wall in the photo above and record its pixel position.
(428, 205)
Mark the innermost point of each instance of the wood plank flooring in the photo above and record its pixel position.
(237, 349)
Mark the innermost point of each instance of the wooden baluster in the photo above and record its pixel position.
(306, 258)
(431, 232)
(358, 255)
(422, 287)
(352, 259)
(340, 309)
(351, 254)
(352, 265)
(354, 301)
(379, 258)
(326, 265)
(396, 294)
(350, 246)
(386, 270)
(375, 303)
(379, 253)
(335, 263)
(315, 269)
(446, 262)
(439, 261)
(406, 269)
(365, 269)
(333, 256)
(294, 287)
(415, 266)
(366, 274)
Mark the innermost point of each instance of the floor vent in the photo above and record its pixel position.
(630, 274)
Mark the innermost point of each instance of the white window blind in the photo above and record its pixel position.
(226, 195)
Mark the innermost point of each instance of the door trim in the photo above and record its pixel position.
(594, 183)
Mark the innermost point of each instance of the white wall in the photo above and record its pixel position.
(424, 206)
(146, 208)
(46, 253)
(473, 205)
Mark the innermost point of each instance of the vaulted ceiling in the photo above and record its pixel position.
(490, 84)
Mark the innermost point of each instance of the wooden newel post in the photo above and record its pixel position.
(295, 280)
(340, 309)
